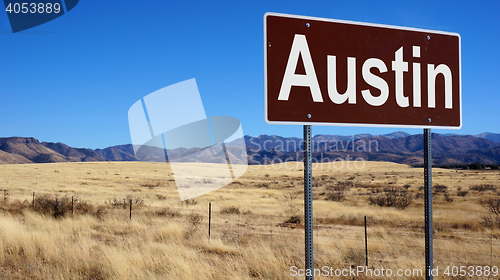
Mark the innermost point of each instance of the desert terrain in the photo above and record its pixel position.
(256, 222)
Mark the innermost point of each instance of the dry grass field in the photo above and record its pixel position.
(256, 230)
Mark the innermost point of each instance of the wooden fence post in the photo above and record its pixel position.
(131, 209)
(209, 218)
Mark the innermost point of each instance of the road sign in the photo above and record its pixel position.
(332, 72)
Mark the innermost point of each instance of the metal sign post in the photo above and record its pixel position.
(308, 207)
(428, 203)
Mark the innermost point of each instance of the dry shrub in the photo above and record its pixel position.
(290, 206)
(447, 197)
(60, 207)
(168, 212)
(491, 204)
(125, 203)
(194, 220)
(462, 193)
(295, 219)
(338, 196)
(483, 187)
(392, 197)
(190, 201)
(14, 206)
(342, 186)
(230, 210)
(161, 196)
(490, 221)
(438, 188)
(355, 257)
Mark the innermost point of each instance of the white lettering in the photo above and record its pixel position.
(300, 47)
(350, 93)
(399, 66)
(431, 80)
(375, 81)
(416, 79)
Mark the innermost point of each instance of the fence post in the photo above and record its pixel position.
(72, 204)
(4, 194)
(366, 245)
(131, 209)
(209, 218)
(239, 216)
(33, 204)
(271, 231)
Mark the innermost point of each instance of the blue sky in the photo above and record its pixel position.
(73, 79)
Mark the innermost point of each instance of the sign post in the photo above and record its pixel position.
(308, 201)
(428, 203)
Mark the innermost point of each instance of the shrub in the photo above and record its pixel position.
(125, 203)
(230, 210)
(60, 207)
(492, 205)
(483, 187)
(338, 196)
(194, 220)
(168, 212)
(161, 196)
(440, 188)
(295, 219)
(392, 197)
(447, 197)
(354, 257)
(490, 222)
(190, 201)
(342, 186)
(462, 193)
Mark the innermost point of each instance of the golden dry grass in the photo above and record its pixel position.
(164, 239)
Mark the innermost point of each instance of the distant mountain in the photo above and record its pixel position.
(117, 153)
(395, 135)
(73, 154)
(495, 137)
(8, 158)
(446, 150)
(31, 149)
(397, 147)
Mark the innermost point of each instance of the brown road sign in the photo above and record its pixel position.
(331, 72)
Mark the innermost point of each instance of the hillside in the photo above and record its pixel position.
(396, 147)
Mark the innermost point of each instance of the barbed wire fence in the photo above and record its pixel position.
(373, 243)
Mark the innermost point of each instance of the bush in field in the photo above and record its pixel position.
(59, 207)
(492, 205)
(392, 197)
(295, 219)
(483, 187)
(230, 210)
(440, 188)
(194, 220)
(338, 196)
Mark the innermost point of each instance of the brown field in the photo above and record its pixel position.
(252, 231)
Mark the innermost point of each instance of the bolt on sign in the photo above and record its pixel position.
(332, 72)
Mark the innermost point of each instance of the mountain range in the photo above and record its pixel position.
(400, 147)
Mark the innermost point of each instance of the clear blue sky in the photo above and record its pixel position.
(73, 79)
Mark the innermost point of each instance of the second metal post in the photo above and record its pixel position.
(428, 203)
(308, 207)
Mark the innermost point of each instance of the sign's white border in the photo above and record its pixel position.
(364, 24)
